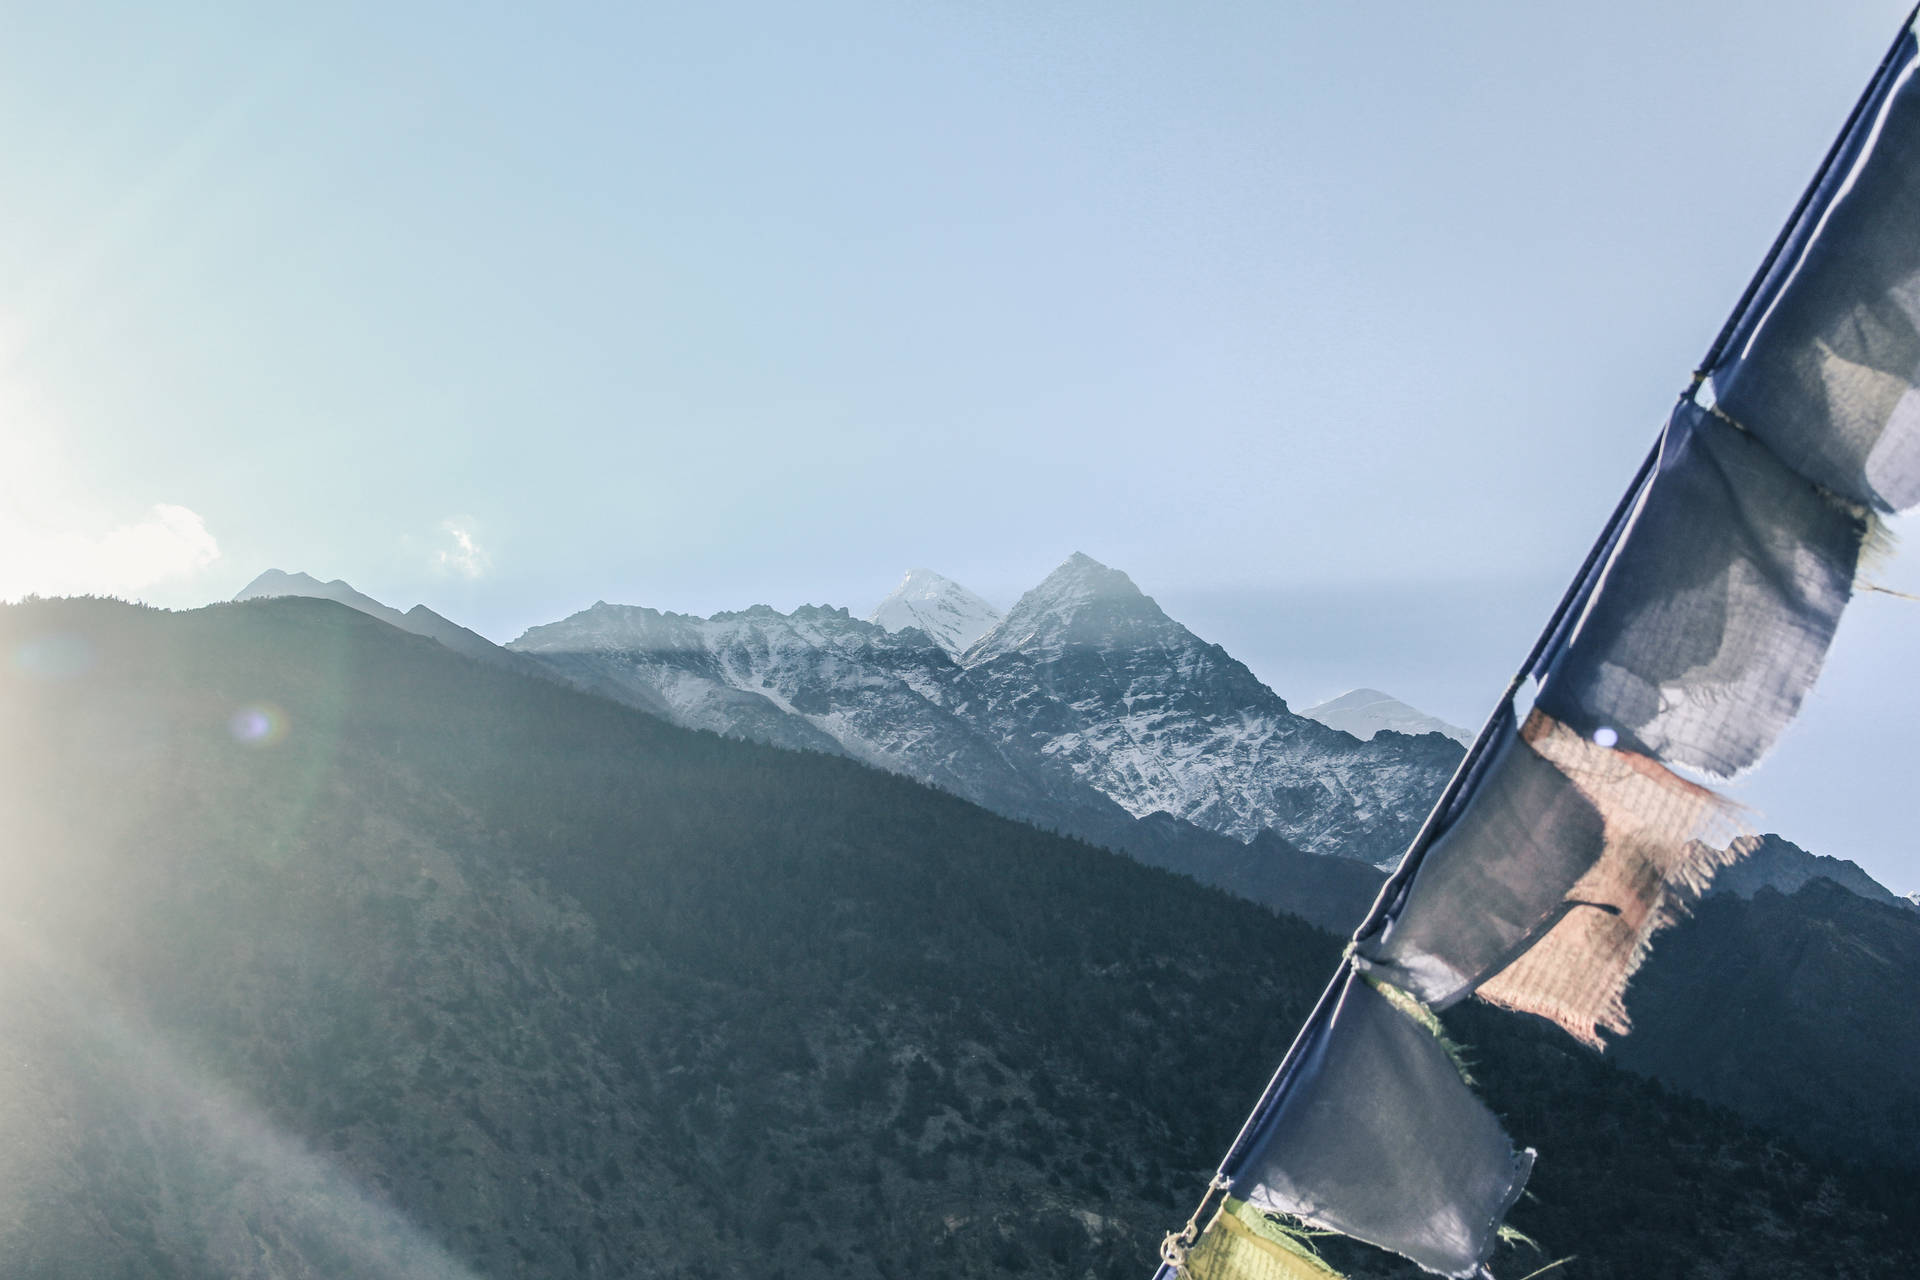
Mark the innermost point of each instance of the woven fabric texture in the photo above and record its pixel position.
(1824, 369)
(1236, 1247)
(1716, 610)
(1492, 881)
(1665, 837)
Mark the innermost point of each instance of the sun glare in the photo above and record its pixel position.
(57, 538)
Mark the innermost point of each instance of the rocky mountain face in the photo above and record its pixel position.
(1365, 712)
(1086, 698)
(949, 613)
(816, 679)
(1096, 682)
(459, 973)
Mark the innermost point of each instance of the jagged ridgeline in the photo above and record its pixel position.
(1086, 709)
(331, 952)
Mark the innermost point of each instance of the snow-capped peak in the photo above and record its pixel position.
(1082, 601)
(939, 606)
(1085, 706)
(1365, 712)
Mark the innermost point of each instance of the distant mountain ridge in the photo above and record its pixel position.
(1365, 712)
(818, 680)
(278, 582)
(1773, 862)
(419, 620)
(1084, 696)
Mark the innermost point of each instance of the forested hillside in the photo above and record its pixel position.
(331, 952)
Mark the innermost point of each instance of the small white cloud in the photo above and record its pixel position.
(40, 558)
(463, 555)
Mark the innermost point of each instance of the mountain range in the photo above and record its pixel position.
(1085, 656)
(1084, 709)
(819, 680)
(1084, 697)
(332, 952)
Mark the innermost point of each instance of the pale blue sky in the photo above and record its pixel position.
(1338, 327)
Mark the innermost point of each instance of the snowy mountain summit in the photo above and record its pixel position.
(1085, 707)
(1365, 712)
(1091, 679)
(952, 615)
(1081, 602)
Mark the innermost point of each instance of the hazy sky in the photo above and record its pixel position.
(1339, 327)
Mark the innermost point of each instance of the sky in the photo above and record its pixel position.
(1340, 328)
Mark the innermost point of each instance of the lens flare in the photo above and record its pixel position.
(53, 656)
(258, 724)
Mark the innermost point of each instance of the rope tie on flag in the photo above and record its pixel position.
(1174, 1249)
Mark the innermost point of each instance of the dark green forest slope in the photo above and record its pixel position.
(1795, 1009)
(329, 952)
